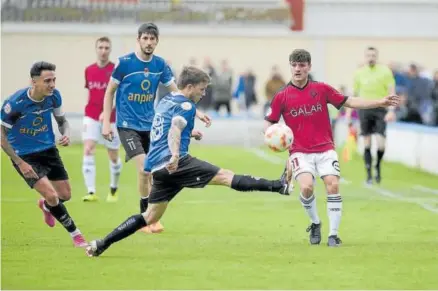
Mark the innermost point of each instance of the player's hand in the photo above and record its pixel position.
(197, 134)
(204, 118)
(390, 116)
(27, 170)
(64, 140)
(101, 117)
(391, 100)
(107, 132)
(173, 164)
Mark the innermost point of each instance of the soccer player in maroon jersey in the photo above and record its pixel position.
(303, 106)
(97, 76)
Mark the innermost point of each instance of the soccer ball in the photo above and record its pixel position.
(279, 137)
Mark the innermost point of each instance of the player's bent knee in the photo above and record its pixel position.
(65, 193)
(223, 177)
(154, 212)
(89, 148)
(306, 189)
(45, 188)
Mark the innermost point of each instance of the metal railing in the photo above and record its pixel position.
(134, 11)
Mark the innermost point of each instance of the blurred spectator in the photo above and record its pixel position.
(336, 114)
(245, 90)
(222, 86)
(401, 80)
(435, 98)
(239, 93)
(401, 111)
(274, 84)
(419, 97)
(207, 100)
(250, 91)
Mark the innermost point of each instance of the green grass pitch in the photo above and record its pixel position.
(216, 238)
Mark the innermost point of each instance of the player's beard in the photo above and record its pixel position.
(148, 52)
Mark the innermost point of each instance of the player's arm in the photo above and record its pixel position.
(274, 112)
(360, 103)
(174, 141)
(338, 100)
(7, 148)
(63, 126)
(174, 137)
(172, 87)
(108, 100)
(9, 116)
(356, 88)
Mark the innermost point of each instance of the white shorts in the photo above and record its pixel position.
(317, 164)
(93, 131)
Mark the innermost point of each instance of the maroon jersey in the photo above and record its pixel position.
(96, 81)
(305, 111)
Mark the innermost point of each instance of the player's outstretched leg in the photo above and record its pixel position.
(246, 183)
(144, 188)
(89, 170)
(334, 209)
(115, 168)
(308, 200)
(127, 228)
(53, 203)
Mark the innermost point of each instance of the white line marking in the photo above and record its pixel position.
(267, 157)
(396, 196)
(425, 189)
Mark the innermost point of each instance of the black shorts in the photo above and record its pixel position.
(191, 173)
(134, 142)
(372, 121)
(46, 163)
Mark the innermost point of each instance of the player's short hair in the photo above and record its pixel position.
(148, 28)
(371, 48)
(300, 56)
(38, 67)
(103, 39)
(191, 75)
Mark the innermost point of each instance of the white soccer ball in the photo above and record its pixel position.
(279, 137)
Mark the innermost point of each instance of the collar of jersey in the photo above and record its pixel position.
(179, 94)
(33, 100)
(136, 55)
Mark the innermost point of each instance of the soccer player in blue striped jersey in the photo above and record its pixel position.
(135, 81)
(171, 165)
(28, 139)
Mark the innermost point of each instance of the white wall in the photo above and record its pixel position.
(411, 145)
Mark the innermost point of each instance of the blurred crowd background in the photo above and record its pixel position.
(234, 91)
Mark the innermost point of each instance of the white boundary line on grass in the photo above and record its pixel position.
(396, 196)
(425, 189)
(386, 193)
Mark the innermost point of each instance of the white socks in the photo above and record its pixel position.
(89, 172)
(75, 233)
(334, 212)
(115, 169)
(310, 205)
